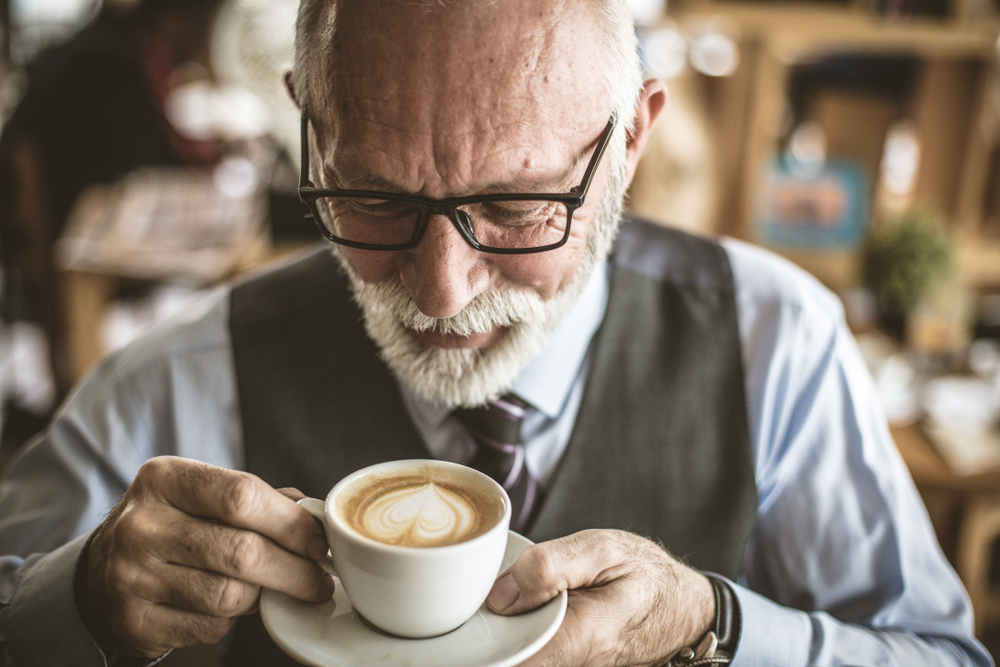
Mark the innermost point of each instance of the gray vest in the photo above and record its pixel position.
(660, 446)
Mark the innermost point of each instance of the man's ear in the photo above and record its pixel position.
(651, 102)
(290, 87)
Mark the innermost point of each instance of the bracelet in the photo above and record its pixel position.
(705, 653)
(719, 645)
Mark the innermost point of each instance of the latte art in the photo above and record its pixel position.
(419, 515)
(419, 510)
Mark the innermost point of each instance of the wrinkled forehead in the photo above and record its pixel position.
(464, 67)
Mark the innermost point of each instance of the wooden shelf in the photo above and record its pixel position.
(979, 261)
(954, 105)
(797, 31)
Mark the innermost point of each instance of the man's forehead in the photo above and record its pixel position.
(506, 163)
(506, 60)
(453, 98)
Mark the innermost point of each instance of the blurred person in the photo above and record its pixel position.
(93, 111)
(702, 439)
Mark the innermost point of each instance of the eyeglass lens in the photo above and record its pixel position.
(521, 223)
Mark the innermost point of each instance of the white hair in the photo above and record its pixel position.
(622, 72)
(623, 65)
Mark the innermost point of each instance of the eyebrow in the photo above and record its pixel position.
(363, 180)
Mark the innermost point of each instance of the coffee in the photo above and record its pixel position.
(419, 507)
(406, 591)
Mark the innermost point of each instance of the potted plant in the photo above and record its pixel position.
(902, 259)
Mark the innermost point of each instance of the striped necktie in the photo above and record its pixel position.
(496, 429)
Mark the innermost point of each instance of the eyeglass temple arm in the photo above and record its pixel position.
(304, 181)
(609, 130)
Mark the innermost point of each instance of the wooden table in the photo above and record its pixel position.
(965, 511)
(87, 296)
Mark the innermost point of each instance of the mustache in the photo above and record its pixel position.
(496, 307)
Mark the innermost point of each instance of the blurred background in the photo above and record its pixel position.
(149, 153)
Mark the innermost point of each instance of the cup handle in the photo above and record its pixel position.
(317, 508)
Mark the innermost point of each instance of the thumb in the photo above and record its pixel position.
(542, 571)
(292, 493)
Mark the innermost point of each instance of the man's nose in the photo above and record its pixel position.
(443, 272)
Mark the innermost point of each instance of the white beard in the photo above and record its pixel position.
(470, 377)
(456, 377)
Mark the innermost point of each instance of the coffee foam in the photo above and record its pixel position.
(422, 508)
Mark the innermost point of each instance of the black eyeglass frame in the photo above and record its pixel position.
(572, 200)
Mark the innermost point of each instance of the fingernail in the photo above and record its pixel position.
(505, 591)
(317, 548)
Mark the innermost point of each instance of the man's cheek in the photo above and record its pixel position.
(545, 273)
(371, 266)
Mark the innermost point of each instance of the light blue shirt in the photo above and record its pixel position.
(843, 567)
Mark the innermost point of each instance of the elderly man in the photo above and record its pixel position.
(468, 161)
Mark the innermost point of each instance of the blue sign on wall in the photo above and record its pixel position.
(825, 209)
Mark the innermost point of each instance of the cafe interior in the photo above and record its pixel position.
(860, 139)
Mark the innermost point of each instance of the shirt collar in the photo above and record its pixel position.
(546, 381)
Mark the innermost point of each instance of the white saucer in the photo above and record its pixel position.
(331, 634)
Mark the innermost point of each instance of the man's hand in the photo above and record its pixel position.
(187, 550)
(630, 602)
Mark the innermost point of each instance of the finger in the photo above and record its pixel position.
(238, 499)
(185, 588)
(203, 592)
(542, 571)
(567, 647)
(292, 493)
(244, 555)
(158, 628)
(316, 552)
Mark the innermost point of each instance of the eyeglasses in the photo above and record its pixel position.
(510, 224)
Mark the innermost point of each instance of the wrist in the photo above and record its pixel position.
(704, 618)
(718, 645)
(84, 597)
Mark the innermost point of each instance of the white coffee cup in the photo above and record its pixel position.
(414, 591)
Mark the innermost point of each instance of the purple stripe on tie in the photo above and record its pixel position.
(502, 446)
(514, 410)
(517, 451)
(515, 470)
(495, 428)
(529, 503)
